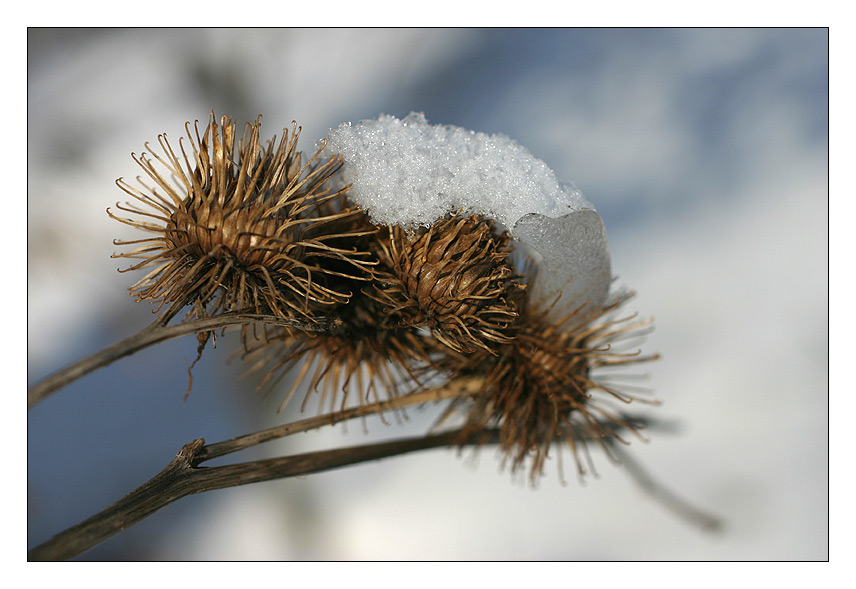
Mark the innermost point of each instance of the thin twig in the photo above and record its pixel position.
(457, 388)
(183, 477)
(153, 334)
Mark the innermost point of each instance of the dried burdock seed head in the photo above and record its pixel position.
(547, 386)
(453, 277)
(362, 356)
(238, 227)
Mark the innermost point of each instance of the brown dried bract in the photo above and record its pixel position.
(454, 278)
(363, 354)
(239, 227)
(542, 388)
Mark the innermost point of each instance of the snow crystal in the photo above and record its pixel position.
(408, 172)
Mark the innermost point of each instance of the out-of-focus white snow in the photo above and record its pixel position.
(408, 172)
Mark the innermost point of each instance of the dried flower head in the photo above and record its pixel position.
(364, 353)
(238, 227)
(542, 388)
(453, 277)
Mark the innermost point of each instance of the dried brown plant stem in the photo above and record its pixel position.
(155, 333)
(458, 388)
(183, 476)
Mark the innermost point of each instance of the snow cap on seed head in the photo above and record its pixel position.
(410, 173)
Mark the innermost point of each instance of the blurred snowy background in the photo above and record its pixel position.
(705, 152)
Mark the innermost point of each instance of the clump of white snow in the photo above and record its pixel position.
(408, 172)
